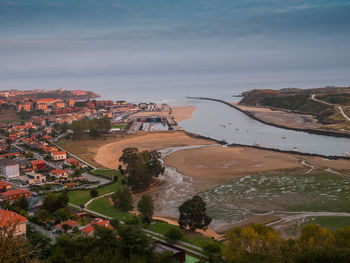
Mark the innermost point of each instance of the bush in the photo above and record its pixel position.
(93, 193)
(173, 234)
(134, 220)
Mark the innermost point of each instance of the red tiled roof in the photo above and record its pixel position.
(15, 192)
(71, 223)
(9, 217)
(90, 227)
(58, 153)
(4, 184)
(38, 162)
(58, 171)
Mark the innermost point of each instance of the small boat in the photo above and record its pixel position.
(229, 123)
(223, 125)
(346, 154)
(257, 144)
(237, 129)
(284, 137)
(295, 149)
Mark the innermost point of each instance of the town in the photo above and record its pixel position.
(36, 173)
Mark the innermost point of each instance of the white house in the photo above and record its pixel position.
(9, 168)
(59, 155)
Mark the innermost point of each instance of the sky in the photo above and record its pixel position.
(173, 48)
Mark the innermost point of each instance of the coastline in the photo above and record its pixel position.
(250, 114)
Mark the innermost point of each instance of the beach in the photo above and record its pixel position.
(182, 113)
(108, 155)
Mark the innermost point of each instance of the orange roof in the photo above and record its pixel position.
(9, 217)
(38, 162)
(58, 171)
(46, 100)
(58, 153)
(4, 184)
(71, 223)
(90, 227)
(15, 192)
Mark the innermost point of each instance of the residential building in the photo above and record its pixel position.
(177, 254)
(9, 168)
(9, 218)
(46, 101)
(89, 229)
(59, 173)
(41, 106)
(15, 194)
(72, 162)
(59, 105)
(70, 223)
(59, 155)
(5, 186)
(33, 178)
(38, 165)
(27, 106)
(71, 103)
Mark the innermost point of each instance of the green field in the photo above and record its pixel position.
(79, 197)
(106, 173)
(330, 222)
(103, 206)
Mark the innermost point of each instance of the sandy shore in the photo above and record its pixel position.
(182, 113)
(108, 155)
(216, 164)
(282, 118)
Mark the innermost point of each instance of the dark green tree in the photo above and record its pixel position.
(193, 214)
(122, 199)
(146, 208)
(141, 168)
(93, 193)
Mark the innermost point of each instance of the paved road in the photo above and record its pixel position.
(313, 97)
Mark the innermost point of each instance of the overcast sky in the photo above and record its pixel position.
(192, 45)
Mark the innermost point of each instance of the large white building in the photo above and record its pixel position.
(9, 168)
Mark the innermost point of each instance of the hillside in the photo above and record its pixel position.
(323, 105)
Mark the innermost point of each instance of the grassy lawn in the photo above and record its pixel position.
(103, 206)
(82, 196)
(188, 236)
(330, 222)
(107, 173)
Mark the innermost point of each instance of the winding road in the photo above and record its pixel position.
(313, 97)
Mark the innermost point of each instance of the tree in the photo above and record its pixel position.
(141, 167)
(122, 199)
(54, 202)
(93, 193)
(316, 236)
(173, 234)
(213, 252)
(146, 208)
(193, 214)
(255, 243)
(94, 133)
(13, 248)
(29, 154)
(23, 203)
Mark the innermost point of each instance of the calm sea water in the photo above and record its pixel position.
(243, 130)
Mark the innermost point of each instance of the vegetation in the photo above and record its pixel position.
(106, 173)
(173, 234)
(93, 193)
(122, 199)
(141, 167)
(95, 126)
(146, 208)
(258, 243)
(193, 214)
(54, 202)
(337, 98)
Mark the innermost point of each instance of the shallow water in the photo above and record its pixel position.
(209, 115)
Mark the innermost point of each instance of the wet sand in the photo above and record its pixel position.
(182, 113)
